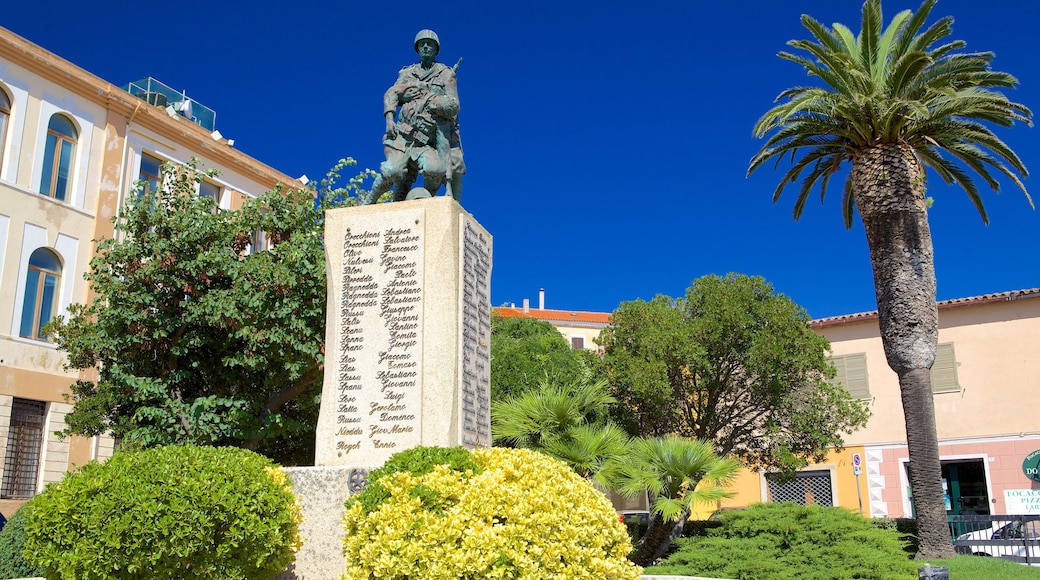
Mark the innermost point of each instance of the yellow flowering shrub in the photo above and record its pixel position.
(524, 516)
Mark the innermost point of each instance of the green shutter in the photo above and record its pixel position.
(944, 370)
(852, 374)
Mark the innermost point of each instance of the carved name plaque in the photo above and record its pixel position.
(475, 338)
(379, 356)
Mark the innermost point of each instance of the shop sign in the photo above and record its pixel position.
(1031, 466)
(1022, 501)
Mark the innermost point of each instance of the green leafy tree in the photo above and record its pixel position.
(195, 338)
(731, 363)
(525, 352)
(895, 100)
(12, 546)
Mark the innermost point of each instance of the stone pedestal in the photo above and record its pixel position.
(407, 354)
(407, 350)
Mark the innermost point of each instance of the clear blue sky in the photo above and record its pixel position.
(607, 142)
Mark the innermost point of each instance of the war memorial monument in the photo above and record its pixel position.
(407, 347)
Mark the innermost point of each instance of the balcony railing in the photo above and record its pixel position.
(161, 95)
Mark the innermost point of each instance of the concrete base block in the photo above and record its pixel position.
(321, 491)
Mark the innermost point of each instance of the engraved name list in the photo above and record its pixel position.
(380, 340)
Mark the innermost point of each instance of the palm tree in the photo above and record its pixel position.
(568, 422)
(677, 472)
(895, 101)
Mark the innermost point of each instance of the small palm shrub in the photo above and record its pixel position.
(789, 541)
(12, 542)
(167, 513)
(516, 514)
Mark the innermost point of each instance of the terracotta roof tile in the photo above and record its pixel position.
(942, 305)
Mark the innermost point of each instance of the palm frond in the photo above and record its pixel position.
(953, 173)
(908, 66)
(904, 84)
(825, 37)
(883, 55)
(912, 26)
(869, 35)
(848, 204)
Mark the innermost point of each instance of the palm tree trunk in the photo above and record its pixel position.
(888, 184)
(656, 540)
(933, 533)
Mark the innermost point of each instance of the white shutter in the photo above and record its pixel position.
(944, 370)
(852, 374)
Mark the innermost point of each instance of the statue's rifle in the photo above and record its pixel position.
(446, 140)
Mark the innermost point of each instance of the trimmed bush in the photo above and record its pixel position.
(12, 542)
(789, 541)
(167, 513)
(520, 514)
(418, 461)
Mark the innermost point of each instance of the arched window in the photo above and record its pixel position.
(5, 119)
(58, 157)
(41, 293)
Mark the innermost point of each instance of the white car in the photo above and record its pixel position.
(1017, 540)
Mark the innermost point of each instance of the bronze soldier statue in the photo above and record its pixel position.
(424, 139)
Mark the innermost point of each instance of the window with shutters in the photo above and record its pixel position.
(211, 190)
(944, 370)
(577, 342)
(851, 373)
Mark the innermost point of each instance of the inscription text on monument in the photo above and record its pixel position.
(379, 361)
(475, 338)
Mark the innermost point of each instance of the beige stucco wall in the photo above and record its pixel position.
(588, 333)
(991, 418)
(997, 368)
(114, 129)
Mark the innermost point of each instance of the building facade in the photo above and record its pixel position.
(72, 148)
(581, 329)
(986, 383)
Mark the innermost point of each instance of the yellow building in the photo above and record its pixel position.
(986, 381)
(72, 147)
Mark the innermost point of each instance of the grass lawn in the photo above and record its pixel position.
(964, 568)
(982, 568)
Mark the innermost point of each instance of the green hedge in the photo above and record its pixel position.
(12, 542)
(788, 541)
(167, 513)
(907, 528)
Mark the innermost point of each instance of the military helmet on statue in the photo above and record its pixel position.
(425, 34)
